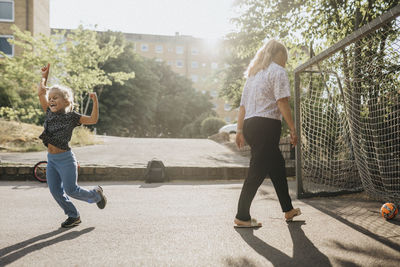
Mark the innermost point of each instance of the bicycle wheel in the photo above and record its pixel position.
(39, 171)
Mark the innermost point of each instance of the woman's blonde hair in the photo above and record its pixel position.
(67, 94)
(264, 57)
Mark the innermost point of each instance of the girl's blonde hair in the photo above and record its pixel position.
(264, 57)
(67, 94)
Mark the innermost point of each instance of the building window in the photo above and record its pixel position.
(227, 119)
(144, 47)
(195, 64)
(179, 49)
(6, 10)
(227, 107)
(5, 46)
(170, 63)
(179, 63)
(159, 49)
(159, 60)
(170, 49)
(215, 105)
(204, 65)
(195, 51)
(195, 78)
(213, 93)
(214, 65)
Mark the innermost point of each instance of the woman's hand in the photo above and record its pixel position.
(240, 140)
(293, 138)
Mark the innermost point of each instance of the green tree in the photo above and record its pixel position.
(297, 23)
(127, 109)
(178, 103)
(74, 56)
(157, 103)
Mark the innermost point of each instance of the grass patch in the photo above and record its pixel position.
(18, 136)
(82, 136)
(24, 137)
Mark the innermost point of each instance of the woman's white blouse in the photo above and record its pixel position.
(262, 90)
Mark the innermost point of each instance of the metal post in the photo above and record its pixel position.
(299, 180)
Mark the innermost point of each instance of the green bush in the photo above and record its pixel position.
(188, 131)
(28, 115)
(211, 125)
(82, 136)
(193, 129)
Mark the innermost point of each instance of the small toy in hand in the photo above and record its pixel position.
(389, 210)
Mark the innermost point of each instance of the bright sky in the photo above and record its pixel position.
(199, 18)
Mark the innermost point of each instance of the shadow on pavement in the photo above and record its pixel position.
(153, 185)
(241, 262)
(189, 183)
(28, 187)
(23, 185)
(386, 258)
(304, 251)
(361, 215)
(21, 249)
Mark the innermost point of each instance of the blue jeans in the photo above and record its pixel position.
(62, 176)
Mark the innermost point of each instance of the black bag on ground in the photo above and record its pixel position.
(155, 172)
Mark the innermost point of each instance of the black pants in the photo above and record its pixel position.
(263, 134)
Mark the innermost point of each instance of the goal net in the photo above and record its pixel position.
(348, 114)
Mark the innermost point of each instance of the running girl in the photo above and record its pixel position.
(62, 175)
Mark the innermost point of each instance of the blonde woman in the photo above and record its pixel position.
(264, 100)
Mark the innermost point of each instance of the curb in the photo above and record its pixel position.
(108, 173)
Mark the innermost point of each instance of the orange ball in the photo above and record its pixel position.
(389, 210)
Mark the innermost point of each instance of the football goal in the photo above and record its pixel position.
(347, 102)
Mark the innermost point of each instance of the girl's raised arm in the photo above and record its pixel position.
(42, 90)
(93, 118)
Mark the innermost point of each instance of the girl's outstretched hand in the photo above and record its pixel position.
(94, 117)
(93, 96)
(45, 73)
(42, 88)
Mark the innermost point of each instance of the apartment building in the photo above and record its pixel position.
(195, 58)
(27, 15)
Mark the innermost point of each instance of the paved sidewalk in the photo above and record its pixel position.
(190, 224)
(125, 159)
(136, 152)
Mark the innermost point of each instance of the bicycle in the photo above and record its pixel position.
(39, 171)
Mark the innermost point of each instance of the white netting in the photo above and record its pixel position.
(350, 117)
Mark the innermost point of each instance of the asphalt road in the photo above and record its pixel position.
(191, 224)
(136, 152)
